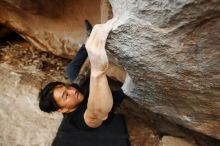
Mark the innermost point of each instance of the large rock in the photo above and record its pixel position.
(171, 50)
(54, 26)
(174, 141)
(21, 121)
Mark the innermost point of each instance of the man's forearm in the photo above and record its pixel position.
(100, 98)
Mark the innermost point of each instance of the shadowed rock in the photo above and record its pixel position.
(54, 26)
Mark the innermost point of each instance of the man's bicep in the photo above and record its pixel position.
(93, 120)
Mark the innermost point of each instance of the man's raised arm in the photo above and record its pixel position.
(100, 98)
(74, 66)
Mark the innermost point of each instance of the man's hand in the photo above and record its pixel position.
(100, 99)
(95, 46)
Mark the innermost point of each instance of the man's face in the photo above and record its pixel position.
(67, 98)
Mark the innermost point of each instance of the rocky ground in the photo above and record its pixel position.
(145, 128)
(22, 54)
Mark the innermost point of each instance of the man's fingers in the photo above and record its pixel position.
(110, 23)
(101, 31)
(106, 26)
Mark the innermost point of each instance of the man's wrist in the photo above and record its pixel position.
(97, 73)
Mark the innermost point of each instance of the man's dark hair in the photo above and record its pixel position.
(76, 86)
(46, 99)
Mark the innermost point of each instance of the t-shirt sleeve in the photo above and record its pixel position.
(118, 97)
(77, 119)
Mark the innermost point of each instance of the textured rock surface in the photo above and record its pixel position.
(174, 141)
(24, 69)
(22, 123)
(54, 26)
(171, 49)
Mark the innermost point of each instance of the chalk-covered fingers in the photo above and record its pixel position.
(104, 29)
(95, 45)
(100, 32)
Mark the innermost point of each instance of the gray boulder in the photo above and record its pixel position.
(171, 50)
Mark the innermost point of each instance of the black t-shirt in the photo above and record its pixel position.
(73, 130)
(77, 117)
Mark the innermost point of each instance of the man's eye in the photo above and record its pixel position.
(66, 96)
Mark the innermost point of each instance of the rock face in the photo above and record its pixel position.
(22, 123)
(54, 26)
(174, 141)
(170, 48)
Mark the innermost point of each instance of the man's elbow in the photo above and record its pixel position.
(95, 118)
(100, 114)
(94, 124)
(100, 109)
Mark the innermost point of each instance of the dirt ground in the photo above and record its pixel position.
(145, 128)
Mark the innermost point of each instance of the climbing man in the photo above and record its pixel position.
(88, 109)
